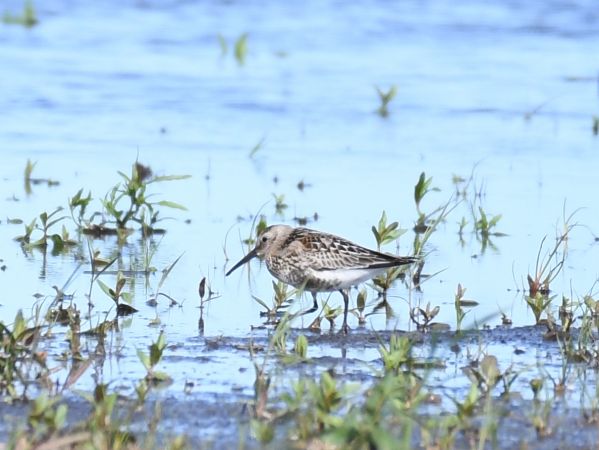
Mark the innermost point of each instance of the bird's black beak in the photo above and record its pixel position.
(252, 254)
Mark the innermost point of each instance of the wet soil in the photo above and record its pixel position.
(222, 420)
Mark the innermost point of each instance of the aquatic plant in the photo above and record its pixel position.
(398, 355)
(459, 310)
(484, 225)
(241, 48)
(27, 18)
(222, 43)
(386, 233)
(140, 209)
(385, 97)
(47, 221)
(20, 361)
(257, 147)
(547, 268)
(116, 294)
(283, 294)
(423, 317)
(280, 205)
(301, 347)
(151, 359)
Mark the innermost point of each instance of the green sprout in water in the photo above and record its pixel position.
(385, 234)
(116, 294)
(547, 269)
(222, 43)
(460, 303)
(27, 18)
(140, 209)
(241, 49)
(257, 147)
(29, 180)
(61, 241)
(484, 225)
(280, 205)
(398, 355)
(150, 361)
(385, 98)
(281, 298)
(423, 187)
(423, 317)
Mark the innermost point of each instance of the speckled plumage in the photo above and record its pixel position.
(319, 262)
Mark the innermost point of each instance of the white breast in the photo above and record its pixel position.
(345, 278)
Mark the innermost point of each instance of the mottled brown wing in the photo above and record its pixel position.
(322, 251)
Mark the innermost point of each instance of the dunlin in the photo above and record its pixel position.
(319, 262)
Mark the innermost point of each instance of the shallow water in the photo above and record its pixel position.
(505, 91)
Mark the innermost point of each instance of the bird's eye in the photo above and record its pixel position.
(264, 239)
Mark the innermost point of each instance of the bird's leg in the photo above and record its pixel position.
(345, 293)
(314, 306)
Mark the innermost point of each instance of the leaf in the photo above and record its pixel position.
(166, 272)
(144, 358)
(170, 204)
(376, 235)
(107, 290)
(125, 177)
(257, 147)
(241, 48)
(55, 221)
(222, 42)
(168, 178)
(261, 303)
(420, 188)
(202, 288)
